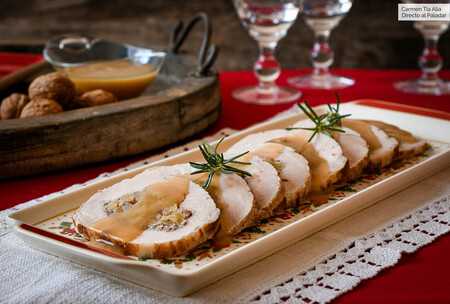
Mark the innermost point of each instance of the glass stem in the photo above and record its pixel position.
(322, 55)
(267, 69)
(430, 62)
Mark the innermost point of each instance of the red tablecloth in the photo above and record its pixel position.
(12, 61)
(422, 277)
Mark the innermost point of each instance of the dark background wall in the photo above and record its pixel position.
(370, 36)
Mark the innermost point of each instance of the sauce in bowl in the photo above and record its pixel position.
(122, 77)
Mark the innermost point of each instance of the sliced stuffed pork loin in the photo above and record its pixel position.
(323, 154)
(292, 168)
(265, 184)
(356, 150)
(382, 147)
(233, 197)
(155, 214)
(236, 202)
(409, 145)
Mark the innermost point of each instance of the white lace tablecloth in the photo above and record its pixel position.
(316, 269)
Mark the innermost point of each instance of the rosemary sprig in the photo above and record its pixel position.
(216, 163)
(333, 114)
(325, 123)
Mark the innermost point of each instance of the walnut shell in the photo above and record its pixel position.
(13, 105)
(41, 107)
(95, 98)
(54, 86)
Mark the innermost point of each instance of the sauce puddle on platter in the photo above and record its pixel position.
(129, 224)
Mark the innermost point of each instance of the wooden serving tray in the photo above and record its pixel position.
(183, 100)
(48, 226)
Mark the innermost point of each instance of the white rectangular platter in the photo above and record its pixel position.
(48, 226)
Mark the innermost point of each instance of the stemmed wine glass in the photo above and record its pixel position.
(322, 16)
(430, 62)
(267, 21)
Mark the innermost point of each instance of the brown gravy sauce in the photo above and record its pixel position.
(121, 77)
(131, 223)
(318, 166)
(393, 131)
(267, 151)
(363, 128)
(318, 199)
(221, 241)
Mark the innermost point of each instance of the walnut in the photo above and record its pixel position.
(40, 107)
(95, 98)
(12, 106)
(55, 86)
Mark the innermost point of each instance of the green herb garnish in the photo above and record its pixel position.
(325, 123)
(216, 163)
(333, 114)
(65, 224)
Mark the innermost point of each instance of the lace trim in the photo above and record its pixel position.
(362, 258)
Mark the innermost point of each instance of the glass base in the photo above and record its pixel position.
(417, 86)
(326, 82)
(275, 95)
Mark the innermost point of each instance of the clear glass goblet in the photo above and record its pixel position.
(430, 62)
(322, 16)
(267, 21)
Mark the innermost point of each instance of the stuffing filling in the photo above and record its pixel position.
(122, 204)
(171, 218)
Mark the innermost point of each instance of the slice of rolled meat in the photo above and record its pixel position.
(356, 150)
(323, 154)
(382, 147)
(409, 144)
(236, 202)
(232, 195)
(292, 167)
(155, 214)
(265, 184)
